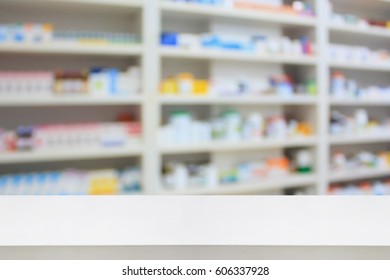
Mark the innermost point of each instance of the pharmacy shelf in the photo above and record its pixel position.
(238, 100)
(359, 102)
(70, 154)
(173, 52)
(223, 146)
(210, 12)
(90, 3)
(69, 101)
(263, 186)
(72, 49)
(382, 67)
(359, 139)
(369, 31)
(357, 174)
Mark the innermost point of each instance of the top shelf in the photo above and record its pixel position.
(206, 11)
(109, 3)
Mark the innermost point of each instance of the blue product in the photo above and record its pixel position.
(54, 179)
(16, 182)
(231, 45)
(28, 180)
(305, 45)
(338, 85)
(209, 2)
(352, 88)
(243, 87)
(244, 171)
(6, 180)
(113, 75)
(284, 89)
(211, 41)
(17, 33)
(258, 39)
(3, 33)
(3, 184)
(379, 189)
(41, 178)
(169, 39)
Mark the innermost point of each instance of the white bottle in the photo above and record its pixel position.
(180, 177)
(232, 121)
(181, 127)
(339, 161)
(361, 119)
(379, 188)
(211, 176)
(255, 125)
(277, 128)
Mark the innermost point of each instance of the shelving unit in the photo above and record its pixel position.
(156, 60)
(366, 74)
(110, 15)
(215, 60)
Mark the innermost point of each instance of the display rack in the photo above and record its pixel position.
(154, 60)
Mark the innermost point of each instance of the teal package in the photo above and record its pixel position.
(113, 82)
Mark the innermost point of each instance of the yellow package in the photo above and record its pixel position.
(103, 182)
(169, 86)
(201, 87)
(304, 129)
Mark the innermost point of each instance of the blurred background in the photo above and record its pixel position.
(127, 97)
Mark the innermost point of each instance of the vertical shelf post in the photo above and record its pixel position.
(322, 34)
(151, 111)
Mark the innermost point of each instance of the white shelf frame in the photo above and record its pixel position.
(369, 31)
(69, 100)
(380, 67)
(172, 52)
(244, 100)
(358, 139)
(70, 154)
(359, 102)
(134, 4)
(360, 174)
(151, 103)
(73, 49)
(223, 146)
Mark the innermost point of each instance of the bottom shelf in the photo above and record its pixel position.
(359, 174)
(266, 185)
